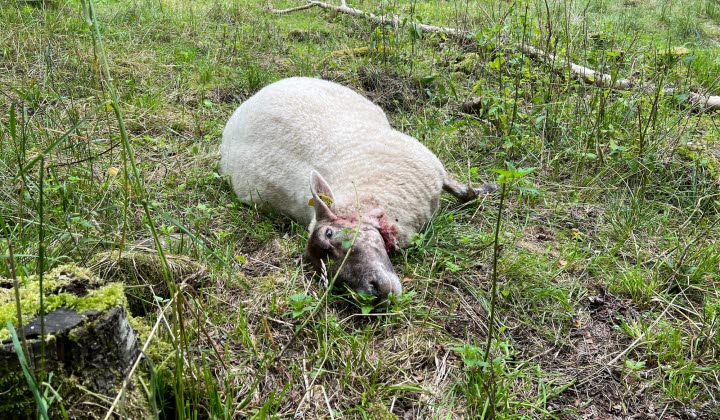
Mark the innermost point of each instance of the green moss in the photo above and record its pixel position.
(160, 353)
(360, 51)
(157, 350)
(17, 401)
(680, 51)
(468, 63)
(61, 289)
(16, 396)
(106, 297)
(380, 412)
(57, 286)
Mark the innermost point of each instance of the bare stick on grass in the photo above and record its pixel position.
(586, 74)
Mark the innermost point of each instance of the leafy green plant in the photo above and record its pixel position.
(506, 178)
(301, 303)
(472, 356)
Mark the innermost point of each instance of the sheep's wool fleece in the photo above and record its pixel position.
(277, 137)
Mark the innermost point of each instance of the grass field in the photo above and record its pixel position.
(608, 298)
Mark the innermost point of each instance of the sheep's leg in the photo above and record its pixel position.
(465, 193)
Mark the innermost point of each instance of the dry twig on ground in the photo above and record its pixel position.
(588, 75)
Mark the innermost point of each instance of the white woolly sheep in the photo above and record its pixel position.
(298, 137)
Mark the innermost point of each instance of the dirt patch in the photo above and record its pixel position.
(464, 318)
(270, 257)
(540, 240)
(226, 94)
(599, 387)
(596, 389)
(584, 218)
(388, 89)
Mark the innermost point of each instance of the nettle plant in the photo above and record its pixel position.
(482, 388)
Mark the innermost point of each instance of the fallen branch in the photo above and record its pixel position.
(590, 76)
(711, 103)
(290, 10)
(344, 8)
(587, 75)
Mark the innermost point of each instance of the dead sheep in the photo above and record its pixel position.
(300, 138)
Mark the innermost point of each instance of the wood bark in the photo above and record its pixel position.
(95, 347)
(587, 75)
(88, 348)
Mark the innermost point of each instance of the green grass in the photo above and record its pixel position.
(609, 249)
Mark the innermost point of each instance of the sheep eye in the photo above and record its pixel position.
(329, 233)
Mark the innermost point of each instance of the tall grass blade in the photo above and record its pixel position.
(41, 266)
(13, 275)
(41, 403)
(56, 143)
(136, 182)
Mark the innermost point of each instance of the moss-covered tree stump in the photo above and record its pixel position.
(89, 343)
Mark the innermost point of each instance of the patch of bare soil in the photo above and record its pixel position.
(388, 89)
(226, 94)
(463, 316)
(598, 390)
(540, 240)
(268, 258)
(583, 217)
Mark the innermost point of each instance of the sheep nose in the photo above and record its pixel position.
(384, 286)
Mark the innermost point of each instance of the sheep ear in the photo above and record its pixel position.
(323, 199)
